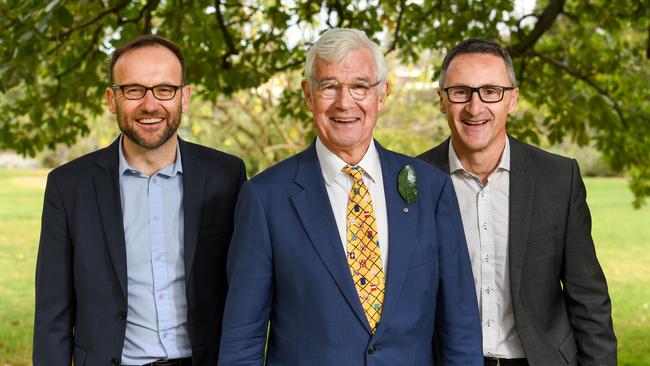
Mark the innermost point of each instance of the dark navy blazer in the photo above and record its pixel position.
(287, 266)
(81, 279)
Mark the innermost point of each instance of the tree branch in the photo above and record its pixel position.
(230, 45)
(545, 22)
(83, 57)
(289, 65)
(402, 8)
(63, 37)
(121, 5)
(147, 11)
(575, 73)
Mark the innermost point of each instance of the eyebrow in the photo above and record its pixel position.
(160, 83)
(328, 78)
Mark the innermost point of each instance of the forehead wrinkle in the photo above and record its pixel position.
(148, 85)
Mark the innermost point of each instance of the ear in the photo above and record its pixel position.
(383, 94)
(443, 105)
(110, 99)
(512, 104)
(186, 92)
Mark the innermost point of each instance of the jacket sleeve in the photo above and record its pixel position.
(250, 284)
(588, 302)
(458, 328)
(55, 294)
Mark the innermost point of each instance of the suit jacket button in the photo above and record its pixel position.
(122, 315)
(115, 362)
(372, 350)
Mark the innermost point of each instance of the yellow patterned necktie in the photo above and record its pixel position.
(364, 256)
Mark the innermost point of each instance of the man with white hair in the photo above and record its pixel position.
(353, 253)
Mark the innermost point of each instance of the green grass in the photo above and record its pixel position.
(21, 200)
(622, 237)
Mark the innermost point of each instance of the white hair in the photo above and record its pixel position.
(335, 44)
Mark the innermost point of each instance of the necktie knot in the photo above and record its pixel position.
(356, 172)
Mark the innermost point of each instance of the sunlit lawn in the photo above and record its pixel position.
(622, 237)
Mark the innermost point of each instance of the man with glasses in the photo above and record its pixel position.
(345, 268)
(541, 292)
(131, 262)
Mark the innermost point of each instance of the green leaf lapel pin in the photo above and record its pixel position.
(407, 184)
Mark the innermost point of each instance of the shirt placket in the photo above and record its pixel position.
(162, 296)
(489, 308)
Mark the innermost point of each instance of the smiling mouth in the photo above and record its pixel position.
(343, 120)
(475, 123)
(149, 121)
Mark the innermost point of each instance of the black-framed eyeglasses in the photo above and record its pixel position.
(487, 93)
(359, 90)
(137, 91)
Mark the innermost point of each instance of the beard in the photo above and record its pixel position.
(172, 121)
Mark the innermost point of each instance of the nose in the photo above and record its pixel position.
(344, 98)
(149, 103)
(475, 104)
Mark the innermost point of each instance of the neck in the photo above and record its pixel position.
(149, 161)
(350, 156)
(481, 162)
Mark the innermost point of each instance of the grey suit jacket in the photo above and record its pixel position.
(81, 279)
(559, 293)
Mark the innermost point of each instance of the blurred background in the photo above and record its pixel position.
(583, 68)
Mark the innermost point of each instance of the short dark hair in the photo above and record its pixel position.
(147, 40)
(478, 45)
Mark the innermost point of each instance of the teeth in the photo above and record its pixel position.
(344, 119)
(474, 123)
(150, 120)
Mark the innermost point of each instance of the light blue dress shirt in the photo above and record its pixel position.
(152, 208)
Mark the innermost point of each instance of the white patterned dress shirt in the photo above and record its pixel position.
(484, 209)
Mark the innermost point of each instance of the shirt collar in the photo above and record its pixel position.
(331, 164)
(170, 170)
(455, 164)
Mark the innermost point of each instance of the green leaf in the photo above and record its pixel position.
(407, 184)
(63, 16)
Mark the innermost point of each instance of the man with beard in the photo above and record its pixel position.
(131, 262)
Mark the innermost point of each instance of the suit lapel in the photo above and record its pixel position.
(522, 188)
(193, 186)
(439, 156)
(315, 212)
(107, 192)
(402, 220)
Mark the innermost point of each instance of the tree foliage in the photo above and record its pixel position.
(583, 63)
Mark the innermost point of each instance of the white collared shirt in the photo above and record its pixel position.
(339, 184)
(485, 213)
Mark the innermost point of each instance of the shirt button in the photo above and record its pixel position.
(122, 315)
(155, 218)
(161, 296)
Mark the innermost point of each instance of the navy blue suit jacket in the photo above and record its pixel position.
(287, 265)
(81, 279)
